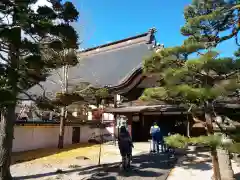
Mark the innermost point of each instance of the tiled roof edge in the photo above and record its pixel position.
(151, 32)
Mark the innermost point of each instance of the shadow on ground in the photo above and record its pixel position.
(145, 165)
(203, 166)
(20, 157)
(237, 176)
(193, 159)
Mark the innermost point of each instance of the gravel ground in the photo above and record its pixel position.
(144, 166)
(236, 166)
(197, 165)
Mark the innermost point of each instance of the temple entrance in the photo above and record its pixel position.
(136, 134)
(167, 124)
(75, 135)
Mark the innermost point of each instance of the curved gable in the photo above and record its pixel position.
(108, 64)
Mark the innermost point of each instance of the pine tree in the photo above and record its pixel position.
(83, 93)
(94, 96)
(69, 57)
(195, 73)
(25, 35)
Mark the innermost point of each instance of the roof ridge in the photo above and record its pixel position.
(150, 31)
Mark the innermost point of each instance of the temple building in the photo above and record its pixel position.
(118, 67)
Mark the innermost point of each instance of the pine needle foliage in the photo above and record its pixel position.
(196, 73)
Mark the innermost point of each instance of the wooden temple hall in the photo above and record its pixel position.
(140, 119)
(118, 66)
(141, 115)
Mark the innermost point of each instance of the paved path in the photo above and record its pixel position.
(194, 166)
(197, 165)
(74, 167)
(145, 166)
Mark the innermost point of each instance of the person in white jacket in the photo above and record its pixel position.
(155, 133)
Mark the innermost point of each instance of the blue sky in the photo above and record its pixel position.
(110, 20)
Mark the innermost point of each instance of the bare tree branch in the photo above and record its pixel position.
(60, 78)
(89, 86)
(52, 81)
(29, 97)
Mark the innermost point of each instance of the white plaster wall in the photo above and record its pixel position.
(86, 133)
(35, 137)
(107, 117)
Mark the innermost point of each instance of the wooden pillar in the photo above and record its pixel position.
(117, 98)
(114, 124)
(141, 121)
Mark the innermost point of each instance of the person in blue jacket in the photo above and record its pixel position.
(156, 136)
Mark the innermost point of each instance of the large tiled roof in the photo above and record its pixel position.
(110, 68)
(109, 64)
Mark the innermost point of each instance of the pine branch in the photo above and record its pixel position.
(196, 120)
(4, 58)
(4, 48)
(29, 97)
(234, 7)
(229, 36)
(225, 76)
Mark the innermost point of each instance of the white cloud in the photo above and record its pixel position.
(40, 3)
(8, 19)
(44, 3)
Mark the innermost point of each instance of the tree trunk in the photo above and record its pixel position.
(8, 118)
(188, 126)
(6, 140)
(100, 146)
(62, 128)
(63, 109)
(215, 163)
(216, 170)
(225, 165)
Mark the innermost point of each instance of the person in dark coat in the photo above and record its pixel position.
(164, 133)
(125, 143)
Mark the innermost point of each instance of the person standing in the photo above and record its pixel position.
(155, 133)
(125, 144)
(164, 133)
